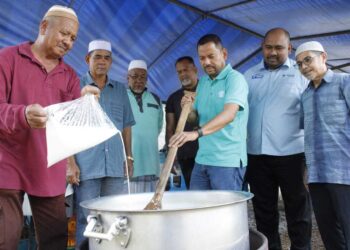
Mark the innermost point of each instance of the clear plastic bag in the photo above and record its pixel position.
(75, 126)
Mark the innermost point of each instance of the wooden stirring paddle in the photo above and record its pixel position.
(156, 201)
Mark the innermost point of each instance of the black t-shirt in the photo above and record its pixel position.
(173, 105)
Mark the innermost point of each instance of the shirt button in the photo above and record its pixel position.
(106, 149)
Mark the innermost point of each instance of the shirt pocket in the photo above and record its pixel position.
(151, 105)
(335, 113)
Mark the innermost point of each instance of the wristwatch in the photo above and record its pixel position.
(130, 158)
(200, 132)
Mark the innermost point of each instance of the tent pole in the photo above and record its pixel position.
(339, 67)
(174, 42)
(337, 33)
(215, 17)
(247, 58)
(231, 5)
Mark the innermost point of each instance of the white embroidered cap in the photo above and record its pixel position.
(309, 46)
(137, 64)
(62, 11)
(100, 44)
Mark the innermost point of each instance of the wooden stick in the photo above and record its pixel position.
(156, 201)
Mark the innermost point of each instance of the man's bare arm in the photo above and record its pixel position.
(217, 123)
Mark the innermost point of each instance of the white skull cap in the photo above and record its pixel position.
(62, 11)
(309, 46)
(137, 64)
(100, 44)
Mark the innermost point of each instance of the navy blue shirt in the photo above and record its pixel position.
(107, 158)
(327, 129)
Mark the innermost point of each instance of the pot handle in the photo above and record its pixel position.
(118, 229)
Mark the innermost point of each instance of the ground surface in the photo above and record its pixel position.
(316, 241)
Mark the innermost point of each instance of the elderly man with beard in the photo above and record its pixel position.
(32, 76)
(188, 75)
(99, 171)
(148, 111)
(275, 143)
(326, 121)
(221, 106)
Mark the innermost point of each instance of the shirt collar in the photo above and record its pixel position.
(328, 77)
(24, 49)
(223, 73)
(91, 81)
(286, 64)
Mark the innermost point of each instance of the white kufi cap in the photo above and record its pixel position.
(62, 11)
(137, 64)
(100, 44)
(309, 46)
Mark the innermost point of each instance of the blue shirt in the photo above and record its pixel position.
(149, 123)
(107, 158)
(227, 146)
(327, 129)
(274, 115)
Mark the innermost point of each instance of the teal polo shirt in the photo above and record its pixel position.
(227, 146)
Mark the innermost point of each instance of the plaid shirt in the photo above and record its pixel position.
(326, 120)
(106, 159)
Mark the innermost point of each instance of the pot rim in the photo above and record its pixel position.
(89, 204)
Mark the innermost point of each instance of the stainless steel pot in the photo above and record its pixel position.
(191, 220)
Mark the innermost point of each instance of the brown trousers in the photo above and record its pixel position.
(49, 215)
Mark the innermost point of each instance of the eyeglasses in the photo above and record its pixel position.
(306, 61)
(141, 77)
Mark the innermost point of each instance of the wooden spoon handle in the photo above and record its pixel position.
(156, 200)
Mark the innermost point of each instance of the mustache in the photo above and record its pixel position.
(209, 66)
(63, 46)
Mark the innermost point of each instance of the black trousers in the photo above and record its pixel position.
(331, 203)
(186, 169)
(265, 174)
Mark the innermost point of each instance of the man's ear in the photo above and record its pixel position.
(224, 52)
(87, 59)
(324, 57)
(290, 47)
(127, 78)
(43, 26)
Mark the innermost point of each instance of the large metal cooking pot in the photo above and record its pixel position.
(191, 220)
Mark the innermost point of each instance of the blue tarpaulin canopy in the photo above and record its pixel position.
(160, 31)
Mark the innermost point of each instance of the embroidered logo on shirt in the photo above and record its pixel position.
(257, 76)
(221, 94)
(288, 75)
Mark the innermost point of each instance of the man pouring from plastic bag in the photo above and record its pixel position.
(33, 75)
